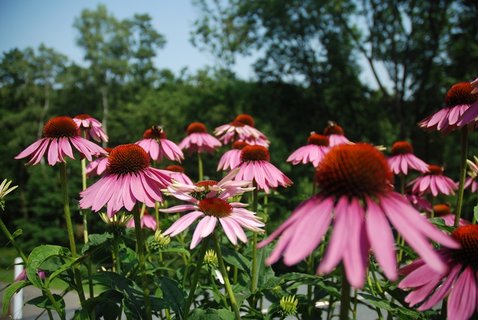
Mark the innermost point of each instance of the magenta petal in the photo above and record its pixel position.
(441, 291)
(381, 239)
(309, 232)
(338, 240)
(183, 223)
(462, 299)
(354, 261)
(30, 149)
(228, 230)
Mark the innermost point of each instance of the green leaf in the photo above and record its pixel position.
(60, 270)
(236, 259)
(10, 291)
(475, 213)
(96, 240)
(176, 250)
(37, 257)
(44, 302)
(172, 294)
(17, 233)
(211, 314)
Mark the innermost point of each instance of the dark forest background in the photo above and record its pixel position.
(310, 57)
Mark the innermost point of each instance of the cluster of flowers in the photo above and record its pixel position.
(355, 196)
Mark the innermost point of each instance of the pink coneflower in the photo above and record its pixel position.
(242, 128)
(356, 194)
(336, 134)
(316, 148)
(442, 211)
(98, 166)
(211, 204)
(23, 275)
(255, 166)
(403, 159)
(418, 201)
(147, 221)
(156, 144)
(472, 180)
(177, 174)
(92, 127)
(434, 182)
(474, 85)
(459, 282)
(198, 140)
(232, 158)
(457, 101)
(59, 135)
(128, 179)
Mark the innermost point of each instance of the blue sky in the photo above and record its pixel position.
(32, 22)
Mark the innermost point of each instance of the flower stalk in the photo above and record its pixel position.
(461, 188)
(193, 286)
(142, 259)
(227, 284)
(69, 226)
(345, 297)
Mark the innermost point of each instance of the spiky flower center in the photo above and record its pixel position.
(334, 129)
(401, 147)
(441, 210)
(254, 153)
(239, 145)
(60, 127)
(435, 170)
(236, 123)
(215, 207)
(318, 139)
(155, 132)
(83, 116)
(460, 94)
(467, 236)
(127, 158)
(206, 184)
(175, 168)
(196, 127)
(245, 119)
(354, 170)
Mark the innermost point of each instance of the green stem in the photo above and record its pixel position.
(354, 310)
(461, 188)
(345, 297)
(57, 308)
(195, 281)
(116, 257)
(222, 268)
(84, 213)
(254, 243)
(12, 240)
(69, 227)
(141, 259)
(200, 167)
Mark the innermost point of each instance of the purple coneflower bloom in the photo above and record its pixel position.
(471, 182)
(316, 148)
(442, 211)
(92, 127)
(99, 165)
(255, 166)
(59, 135)
(457, 101)
(336, 134)
(418, 201)
(128, 179)
(156, 144)
(459, 282)
(23, 275)
(177, 174)
(232, 158)
(209, 201)
(356, 194)
(198, 140)
(242, 128)
(147, 221)
(403, 159)
(434, 182)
